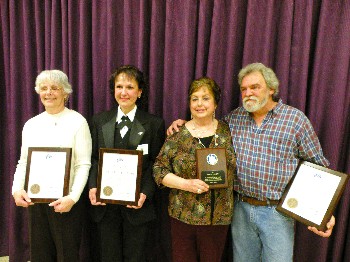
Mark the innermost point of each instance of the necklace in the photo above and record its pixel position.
(215, 142)
(201, 133)
(56, 118)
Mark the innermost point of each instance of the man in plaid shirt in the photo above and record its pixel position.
(269, 139)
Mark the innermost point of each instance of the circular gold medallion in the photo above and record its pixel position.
(107, 191)
(292, 202)
(35, 189)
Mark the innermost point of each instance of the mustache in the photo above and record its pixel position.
(250, 98)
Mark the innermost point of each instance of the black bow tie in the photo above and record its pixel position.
(125, 122)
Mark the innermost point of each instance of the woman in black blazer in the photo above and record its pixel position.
(122, 230)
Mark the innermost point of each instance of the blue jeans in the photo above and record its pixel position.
(260, 233)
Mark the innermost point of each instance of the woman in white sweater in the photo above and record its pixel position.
(55, 229)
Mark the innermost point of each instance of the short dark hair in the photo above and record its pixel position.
(212, 86)
(134, 73)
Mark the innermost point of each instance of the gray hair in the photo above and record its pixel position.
(56, 76)
(268, 74)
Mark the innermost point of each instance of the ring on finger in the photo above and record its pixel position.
(199, 191)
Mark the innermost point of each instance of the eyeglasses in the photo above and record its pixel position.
(53, 89)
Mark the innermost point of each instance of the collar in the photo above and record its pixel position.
(277, 108)
(131, 114)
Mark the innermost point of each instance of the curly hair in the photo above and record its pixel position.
(56, 76)
(134, 73)
(212, 86)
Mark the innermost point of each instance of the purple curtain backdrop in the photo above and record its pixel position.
(307, 43)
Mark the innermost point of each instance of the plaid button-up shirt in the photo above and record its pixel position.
(267, 156)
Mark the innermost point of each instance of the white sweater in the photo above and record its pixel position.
(65, 129)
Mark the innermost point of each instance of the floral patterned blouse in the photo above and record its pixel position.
(177, 156)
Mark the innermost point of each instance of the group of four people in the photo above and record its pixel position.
(265, 138)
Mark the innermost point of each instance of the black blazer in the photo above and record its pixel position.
(145, 129)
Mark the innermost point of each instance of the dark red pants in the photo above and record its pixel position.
(197, 243)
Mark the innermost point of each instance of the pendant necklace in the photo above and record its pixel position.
(200, 133)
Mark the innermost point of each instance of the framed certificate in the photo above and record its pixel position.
(47, 173)
(312, 194)
(119, 176)
(211, 167)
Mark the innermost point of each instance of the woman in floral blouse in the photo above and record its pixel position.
(199, 216)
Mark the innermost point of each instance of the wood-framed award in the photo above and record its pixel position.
(47, 173)
(211, 166)
(312, 194)
(119, 176)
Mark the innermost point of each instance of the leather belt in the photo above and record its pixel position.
(256, 202)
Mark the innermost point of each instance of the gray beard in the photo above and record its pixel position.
(256, 106)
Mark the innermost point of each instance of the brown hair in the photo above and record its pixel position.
(207, 82)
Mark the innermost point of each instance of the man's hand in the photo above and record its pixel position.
(64, 204)
(92, 197)
(175, 126)
(329, 230)
(22, 199)
(140, 202)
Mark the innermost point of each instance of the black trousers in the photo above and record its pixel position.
(55, 236)
(118, 239)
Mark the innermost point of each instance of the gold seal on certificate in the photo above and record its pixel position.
(211, 166)
(35, 189)
(107, 191)
(292, 202)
